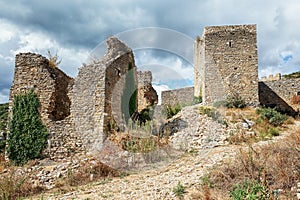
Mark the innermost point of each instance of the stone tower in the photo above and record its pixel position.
(226, 63)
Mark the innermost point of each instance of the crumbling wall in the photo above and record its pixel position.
(183, 96)
(147, 96)
(52, 86)
(280, 93)
(227, 60)
(98, 91)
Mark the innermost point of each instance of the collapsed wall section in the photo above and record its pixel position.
(98, 94)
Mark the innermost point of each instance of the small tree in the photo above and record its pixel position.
(28, 136)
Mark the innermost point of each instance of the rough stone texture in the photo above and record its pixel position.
(53, 88)
(271, 77)
(98, 91)
(147, 96)
(226, 63)
(278, 93)
(78, 113)
(181, 96)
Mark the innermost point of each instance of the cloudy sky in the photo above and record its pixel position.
(75, 28)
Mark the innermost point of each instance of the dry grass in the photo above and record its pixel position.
(276, 166)
(90, 172)
(15, 185)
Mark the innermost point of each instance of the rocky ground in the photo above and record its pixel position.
(203, 140)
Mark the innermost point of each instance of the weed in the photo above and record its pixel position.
(274, 117)
(232, 101)
(249, 190)
(179, 190)
(53, 60)
(171, 110)
(16, 186)
(213, 113)
(273, 167)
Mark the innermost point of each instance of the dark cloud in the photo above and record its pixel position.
(73, 28)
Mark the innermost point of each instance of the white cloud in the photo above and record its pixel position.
(159, 88)
(165, 69)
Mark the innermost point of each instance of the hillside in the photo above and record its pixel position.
(214, 162)
(292, 75)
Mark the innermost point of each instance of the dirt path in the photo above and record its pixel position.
(159, 183)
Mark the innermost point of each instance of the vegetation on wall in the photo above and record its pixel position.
(3, 125)
(129, 97)
(54, 60)
(292, 75)
(28, 136)
(171, 110)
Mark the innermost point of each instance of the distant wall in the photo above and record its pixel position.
(181, 96)
(147, 96)
(279, 93)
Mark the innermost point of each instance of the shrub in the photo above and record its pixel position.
(17, 186)
(28, 136)
(179, 190)
(169, 110)
(3, 117)
(249, 190)
(232, 101)
(197, 100)
(274, 117)
(235, 101)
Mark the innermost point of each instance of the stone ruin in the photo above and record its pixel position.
(226, 63)
(79, 113)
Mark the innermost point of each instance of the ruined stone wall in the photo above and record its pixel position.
(229, 64)
(98, 91)
(279, 93)
(198, 66)
(147, 96)
(183, 96)
(52, 86)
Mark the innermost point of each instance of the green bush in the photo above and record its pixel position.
(197, 100)
(274, 117)
(235, 101)
(232, 101)
(169, 110)
(28, 136)
(249, 190)
(3, 117)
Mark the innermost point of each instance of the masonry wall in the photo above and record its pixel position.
(147, 96)
(229, 64)
(53, 88)
(280, 93)
(98, 94)
(199, 49)
(181, 96)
